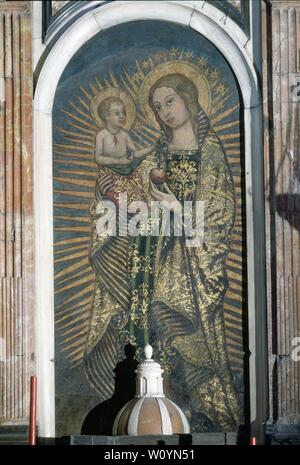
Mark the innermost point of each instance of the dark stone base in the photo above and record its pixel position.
(281, 438)
(181, 439)
(14, 435)
(283, 434)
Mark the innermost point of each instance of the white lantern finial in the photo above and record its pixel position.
(148, 352)
(139, 416)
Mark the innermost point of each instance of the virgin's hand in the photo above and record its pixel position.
(167, 199)
(159, 195)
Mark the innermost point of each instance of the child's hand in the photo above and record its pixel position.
(124, 161)
(139, 155)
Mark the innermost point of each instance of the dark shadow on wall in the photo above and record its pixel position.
(244, 429)
(99, 421)
(288, 207)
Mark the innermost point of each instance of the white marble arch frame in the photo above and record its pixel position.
(232, 43)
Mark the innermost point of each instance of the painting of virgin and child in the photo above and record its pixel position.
(160, 140)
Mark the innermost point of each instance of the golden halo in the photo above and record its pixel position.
(175, 67)
(117, 93)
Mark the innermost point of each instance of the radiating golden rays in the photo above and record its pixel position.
(71, 268)
(77, 206)
(224, 114)
(81, 194)
(74, 176)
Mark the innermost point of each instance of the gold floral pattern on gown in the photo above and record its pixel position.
(190, 284)
(181, 170)
(174, 292)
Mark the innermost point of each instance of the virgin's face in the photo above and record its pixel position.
(170, 107)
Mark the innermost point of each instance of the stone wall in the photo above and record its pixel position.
(16, 212)
(281, 77)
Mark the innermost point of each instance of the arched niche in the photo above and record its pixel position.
(231, 43)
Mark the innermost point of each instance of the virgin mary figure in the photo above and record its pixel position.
(187, 285)
(190, 282)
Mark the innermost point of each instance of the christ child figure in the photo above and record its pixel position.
(114, 145)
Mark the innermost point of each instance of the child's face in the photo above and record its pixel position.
(116, 116)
